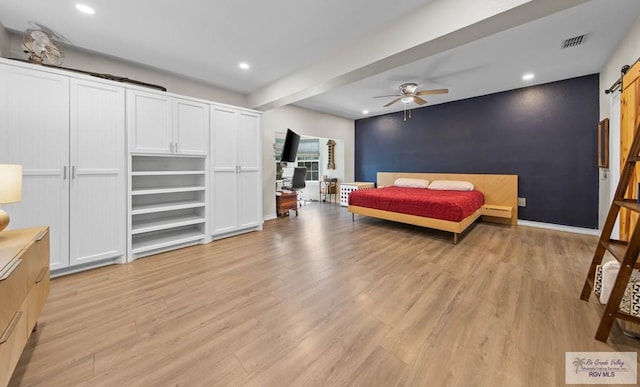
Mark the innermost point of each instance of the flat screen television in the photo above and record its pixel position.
(290, 147)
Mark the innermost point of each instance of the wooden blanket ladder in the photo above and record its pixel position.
(625, 252)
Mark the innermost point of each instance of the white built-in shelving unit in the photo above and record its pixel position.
(118, 171)
(167, 203)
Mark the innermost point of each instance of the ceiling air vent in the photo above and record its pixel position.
(572, 42)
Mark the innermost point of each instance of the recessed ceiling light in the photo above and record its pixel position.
(244, 65)
(365, 112)
(528, 77)
(85, 9)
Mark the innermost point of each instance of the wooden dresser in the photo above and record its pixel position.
(24, 288)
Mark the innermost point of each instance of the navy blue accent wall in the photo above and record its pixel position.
(545, 134)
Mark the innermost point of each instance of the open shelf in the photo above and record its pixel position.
(617, 249)
(164, 222)
(157, 163)
(166, 206)
(167, 203)
(166, 173)
(160, 240)
(631, 204)
(155, 191)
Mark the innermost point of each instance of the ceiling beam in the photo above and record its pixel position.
(437, 27)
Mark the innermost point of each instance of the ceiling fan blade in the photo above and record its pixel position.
(434, 91)
(392, 102)
(386, 96)
(419, 100)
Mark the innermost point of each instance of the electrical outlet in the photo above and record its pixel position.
(522, 202)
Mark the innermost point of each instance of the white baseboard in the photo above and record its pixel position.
(269, 217)
(559, 227)
(84, 267)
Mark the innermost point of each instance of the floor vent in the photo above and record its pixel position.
(572, 42)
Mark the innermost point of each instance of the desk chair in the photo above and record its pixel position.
(298, 181)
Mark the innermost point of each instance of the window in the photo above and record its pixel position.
(309, 157)
(312, 169)
(277, 148)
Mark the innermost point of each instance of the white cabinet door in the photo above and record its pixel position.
(191, 127)
(97, 180)
(34, 132)
(149, 122)
(250, 179)
(224, 201)
(236, 198)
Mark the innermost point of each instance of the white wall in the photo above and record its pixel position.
(339, 156)
(5, 42)
(306, 123)
(99, 63)
(627, 52)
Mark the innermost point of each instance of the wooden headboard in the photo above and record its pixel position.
(501, 190)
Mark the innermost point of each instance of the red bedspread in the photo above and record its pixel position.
(445, 205)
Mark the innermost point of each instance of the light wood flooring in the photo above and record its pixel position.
(317, 300)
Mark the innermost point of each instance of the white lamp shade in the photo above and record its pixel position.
(10, 183)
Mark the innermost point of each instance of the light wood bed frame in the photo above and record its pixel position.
(499, 190)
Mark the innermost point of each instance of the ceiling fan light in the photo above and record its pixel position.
(407, 99)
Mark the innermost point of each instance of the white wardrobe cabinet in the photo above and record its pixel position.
(236, 186)
(164, 124)
(69, 136)
(191, 171)
(97, 175)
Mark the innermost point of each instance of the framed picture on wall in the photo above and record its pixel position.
(603, 143)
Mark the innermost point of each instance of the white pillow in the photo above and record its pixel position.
(451, 185)
(411, 183)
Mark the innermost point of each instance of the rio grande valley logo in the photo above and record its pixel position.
(601, 367)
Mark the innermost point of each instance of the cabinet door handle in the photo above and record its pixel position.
(10, 328)
(41, 275)
(73, 171)
(175, 148)
(64, 173)
(12, 267)
(239, 168)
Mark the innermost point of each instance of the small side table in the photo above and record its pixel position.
(329, 190)
(347, 188)
(286, 201)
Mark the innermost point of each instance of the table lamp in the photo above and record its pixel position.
(10, 189)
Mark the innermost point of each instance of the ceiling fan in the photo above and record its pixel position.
(408, 92)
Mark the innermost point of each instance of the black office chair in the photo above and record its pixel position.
(298, 181)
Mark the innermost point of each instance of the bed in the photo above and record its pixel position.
(494, 199)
